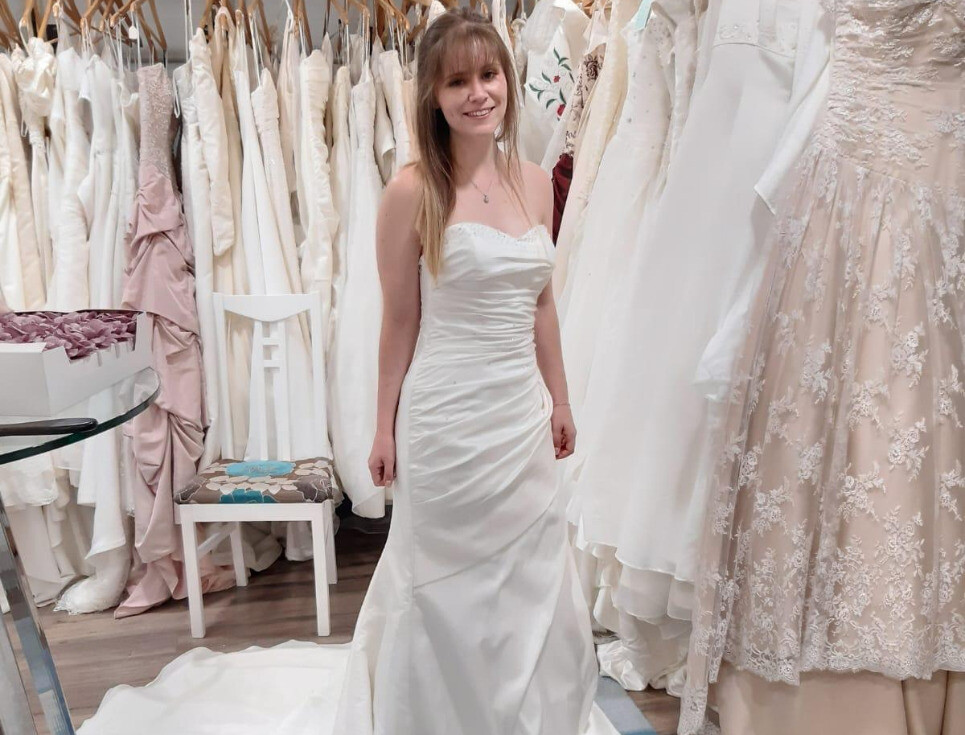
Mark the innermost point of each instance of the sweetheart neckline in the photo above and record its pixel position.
(470, 223)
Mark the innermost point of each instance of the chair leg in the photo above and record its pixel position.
(192, 573)
(238, 556)
(321, 580)
(330, 564)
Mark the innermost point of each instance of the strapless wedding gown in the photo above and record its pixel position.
(474, 622)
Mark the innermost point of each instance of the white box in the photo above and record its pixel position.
(40, 382)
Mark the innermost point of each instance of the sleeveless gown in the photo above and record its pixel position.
(474, 622)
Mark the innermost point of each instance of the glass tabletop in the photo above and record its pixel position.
(103, 411)
(109, 408)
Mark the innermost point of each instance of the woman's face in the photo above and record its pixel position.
(472, 96)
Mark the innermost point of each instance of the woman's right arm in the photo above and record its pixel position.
(398, 249)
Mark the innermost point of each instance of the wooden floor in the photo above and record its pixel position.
(95, 652)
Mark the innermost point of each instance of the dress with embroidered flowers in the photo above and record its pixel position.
(835, 539)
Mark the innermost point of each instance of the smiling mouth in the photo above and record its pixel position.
(479, 114)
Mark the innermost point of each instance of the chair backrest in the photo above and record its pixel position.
(270, 316)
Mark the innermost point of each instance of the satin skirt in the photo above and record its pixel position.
(474, 622)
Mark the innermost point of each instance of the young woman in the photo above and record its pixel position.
(474, 623)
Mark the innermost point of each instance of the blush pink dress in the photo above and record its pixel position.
(168, 437)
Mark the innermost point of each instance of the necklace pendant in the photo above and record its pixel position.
(485, 198)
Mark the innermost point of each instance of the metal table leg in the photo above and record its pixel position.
(35, 650)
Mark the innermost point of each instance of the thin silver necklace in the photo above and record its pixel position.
(485, 194)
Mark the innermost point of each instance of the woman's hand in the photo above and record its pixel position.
(564, 431)
(382, 460)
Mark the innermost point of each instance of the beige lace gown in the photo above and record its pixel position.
(835, 539)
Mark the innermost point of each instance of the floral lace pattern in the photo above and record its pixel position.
(586, 79)
(836, 539)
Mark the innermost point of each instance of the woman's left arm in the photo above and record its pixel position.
(549, 351)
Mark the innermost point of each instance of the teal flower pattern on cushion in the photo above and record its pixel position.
(232, 482)
(259, 469)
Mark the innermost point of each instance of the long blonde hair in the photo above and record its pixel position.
(457, 31)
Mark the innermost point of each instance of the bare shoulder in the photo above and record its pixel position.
(538, 190)
(535, 178)
(404, 190)
(400, 204)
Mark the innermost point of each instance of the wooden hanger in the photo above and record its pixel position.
(419, 27)
(11, 32)
(205, 21)
(339, 9)
(125, 10)
(158, 27)
(69, 8)
(301, 21)
(263, 28)
(152, 36)
(395, 12)
(363, 9)
(104, 7)
(45, 19)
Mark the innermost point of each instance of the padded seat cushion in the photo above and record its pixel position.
(231, 482)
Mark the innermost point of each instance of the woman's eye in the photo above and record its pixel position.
(455, 82)
(491, 74)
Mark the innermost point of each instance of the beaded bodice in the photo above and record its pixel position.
(157, 119)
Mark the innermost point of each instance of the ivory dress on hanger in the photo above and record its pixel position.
(31, 264)
(100, 207)
(230, 267)
(835, 536)
(320, 218)
(103, 485)
(554, 42)
(355, 369)
(207, 205)
(384, 138)
(393, 83)
(36, 73)
(272, 260)
(636, 152)
(641, 492)
(598, 125)
(11, 256)
(70, 147)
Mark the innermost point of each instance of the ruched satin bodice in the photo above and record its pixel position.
(485, 297)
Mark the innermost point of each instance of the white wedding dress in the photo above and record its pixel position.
(474, 622)
(355, 365)
(637, 481)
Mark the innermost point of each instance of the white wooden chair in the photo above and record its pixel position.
(218, 496)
